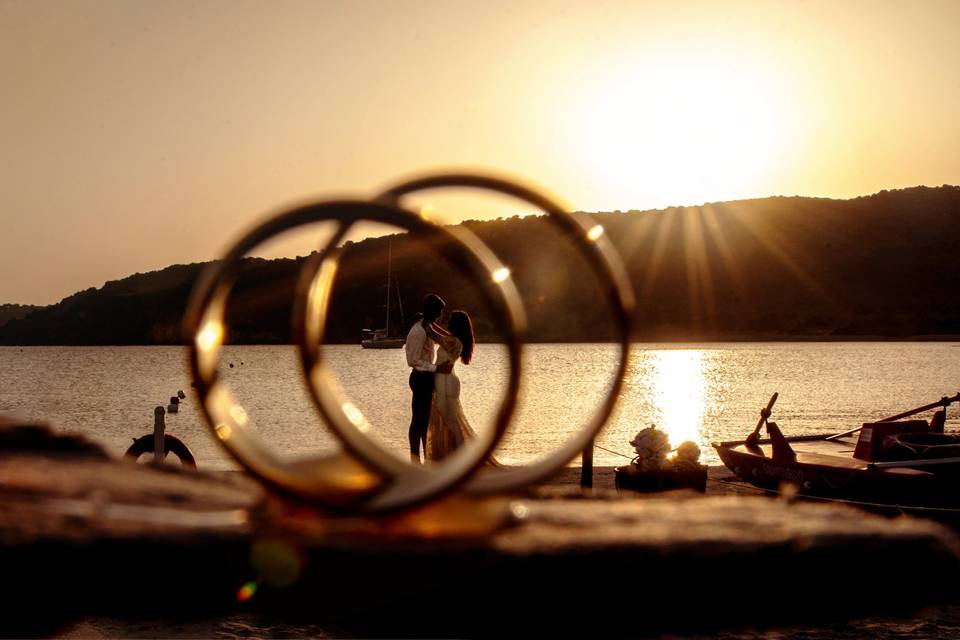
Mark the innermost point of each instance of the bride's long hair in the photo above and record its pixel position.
(460, 326)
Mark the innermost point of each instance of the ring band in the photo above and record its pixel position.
(602, 259)
(365, 477)
(410, 484)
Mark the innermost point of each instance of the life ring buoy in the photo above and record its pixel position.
(171, 444)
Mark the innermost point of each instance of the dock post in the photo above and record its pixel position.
(159, 427)
(586, 470)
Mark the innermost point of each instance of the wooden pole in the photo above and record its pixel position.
(159, 427)
(586, 470)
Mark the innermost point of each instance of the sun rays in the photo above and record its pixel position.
(699, 281)
(707, 250)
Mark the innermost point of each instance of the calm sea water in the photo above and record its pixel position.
(703, 392)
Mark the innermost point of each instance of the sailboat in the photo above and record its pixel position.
(380, 338)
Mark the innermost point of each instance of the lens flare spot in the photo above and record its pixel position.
(239, 415)
(520, 511)
(595, 232)
(428, 212)
(501, 274)
(278, 563)
(210, 336)
(224, 431)
(246, 592)
(354, 415)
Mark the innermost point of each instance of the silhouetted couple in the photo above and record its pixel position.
(438, 425)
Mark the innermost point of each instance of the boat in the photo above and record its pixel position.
(378, 339)
(897, 465)
(381, 338)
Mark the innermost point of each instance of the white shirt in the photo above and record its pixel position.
(420, 349)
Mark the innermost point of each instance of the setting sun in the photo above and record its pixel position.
(689, 128)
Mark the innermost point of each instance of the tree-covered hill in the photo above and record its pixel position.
(10, 312)
(774, 268)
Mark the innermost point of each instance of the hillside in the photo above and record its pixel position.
(10, 312)
(773, 268)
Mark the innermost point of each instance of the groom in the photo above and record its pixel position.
(420, 354)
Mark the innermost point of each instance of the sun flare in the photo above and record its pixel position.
(685, 131)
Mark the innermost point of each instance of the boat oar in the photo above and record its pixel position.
(754, 437)
(912, 463)
(942, 402)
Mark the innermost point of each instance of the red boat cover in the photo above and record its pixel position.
(874, 435)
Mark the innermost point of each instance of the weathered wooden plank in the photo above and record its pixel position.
(83, 534)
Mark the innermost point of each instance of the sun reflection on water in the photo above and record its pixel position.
(679, 393)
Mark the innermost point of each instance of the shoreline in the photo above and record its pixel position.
(797, 339)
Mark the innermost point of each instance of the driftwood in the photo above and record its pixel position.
(84, 534)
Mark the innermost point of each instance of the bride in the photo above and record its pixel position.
(449, 427)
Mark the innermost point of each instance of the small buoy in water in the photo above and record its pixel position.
(174, 406)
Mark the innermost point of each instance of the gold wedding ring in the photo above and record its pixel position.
(365, 477)
(410, 484)
(602, 259)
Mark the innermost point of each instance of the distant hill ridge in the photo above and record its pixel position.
(14, 312)
(774, 268)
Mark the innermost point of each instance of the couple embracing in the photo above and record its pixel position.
(438, 425)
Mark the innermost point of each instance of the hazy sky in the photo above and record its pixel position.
(134, 135)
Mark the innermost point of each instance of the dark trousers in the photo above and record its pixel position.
(421, 383)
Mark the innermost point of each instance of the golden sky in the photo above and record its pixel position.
(138, 134)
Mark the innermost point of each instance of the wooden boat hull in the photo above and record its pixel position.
(826, 469)
(387, 343)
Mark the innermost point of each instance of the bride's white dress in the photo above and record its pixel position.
(449, 427)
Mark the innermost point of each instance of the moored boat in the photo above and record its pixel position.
(897, 463)
(381, 338)
(378, 339)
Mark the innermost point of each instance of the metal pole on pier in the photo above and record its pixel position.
(159, 427)
(586, 470)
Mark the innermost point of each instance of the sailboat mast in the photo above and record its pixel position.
(389, 265)
(403, 318)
